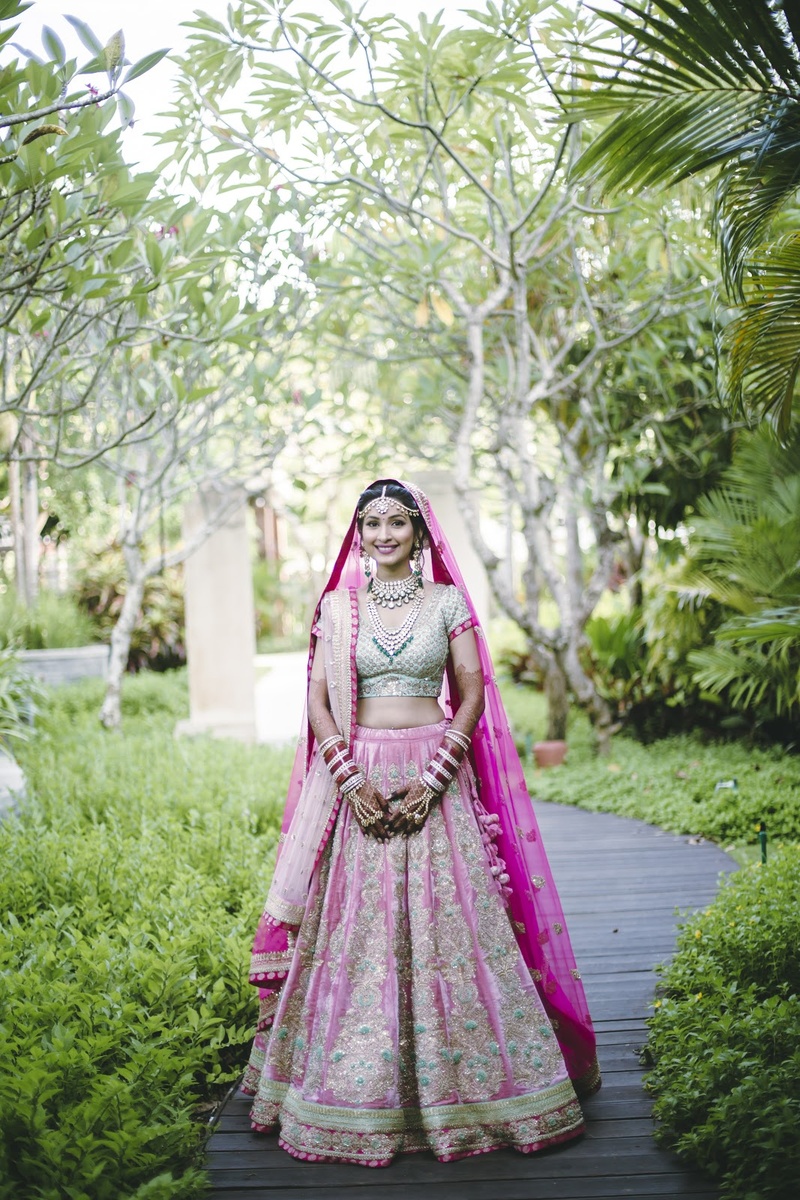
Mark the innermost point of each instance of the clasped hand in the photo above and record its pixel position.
(381, 823)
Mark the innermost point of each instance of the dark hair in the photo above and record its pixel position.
(394, 491)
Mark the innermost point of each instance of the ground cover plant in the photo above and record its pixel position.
(671, 782)
(725, 1035)
(131, 884)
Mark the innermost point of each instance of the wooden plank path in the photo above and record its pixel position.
(620, 882)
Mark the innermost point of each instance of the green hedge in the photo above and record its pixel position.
(670, 782)
(129, 893)
(725, 1037)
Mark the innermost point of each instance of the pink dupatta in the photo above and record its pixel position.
(311, 807)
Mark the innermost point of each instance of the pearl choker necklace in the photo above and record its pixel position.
(392, 593)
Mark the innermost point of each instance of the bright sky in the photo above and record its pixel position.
(152, 25)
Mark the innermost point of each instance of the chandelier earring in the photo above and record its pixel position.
(366, 563)
(417, 560)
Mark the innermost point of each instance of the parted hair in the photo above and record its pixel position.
(394, 491)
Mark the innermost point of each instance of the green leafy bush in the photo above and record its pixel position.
(54, 622)
(131, 885)
(671, 782)
(20, 696)
(158, 639)
(725, 1036)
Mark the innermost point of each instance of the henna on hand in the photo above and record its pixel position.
(410, 816)
(370, 810)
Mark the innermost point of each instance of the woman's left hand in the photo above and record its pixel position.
(411, 815)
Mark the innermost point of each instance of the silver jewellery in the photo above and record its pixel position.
(382, 504)
(391, 593)
(391, 642)
(461, 739)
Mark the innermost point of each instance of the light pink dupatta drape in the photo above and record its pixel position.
(534, 907)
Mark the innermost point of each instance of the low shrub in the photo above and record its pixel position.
(132, 880)
(725, 1036)
(158, 638)
(20, 696)
(671, 782)
(54, 622)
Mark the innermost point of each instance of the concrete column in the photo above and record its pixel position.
(440, 490)
(220, 625)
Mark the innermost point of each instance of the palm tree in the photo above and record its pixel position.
(713, 86)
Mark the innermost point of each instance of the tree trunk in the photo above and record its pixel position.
(111, 712)
(600, 712)
(15, 495)
(30, 525)
(555, 688)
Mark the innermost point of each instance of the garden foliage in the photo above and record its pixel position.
(725, 1037)
(131, 885)
(158, 639)
(19, 696)
(52, 623)
(672, 783)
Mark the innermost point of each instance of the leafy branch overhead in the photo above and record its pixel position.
(423, 176)
(712, 88)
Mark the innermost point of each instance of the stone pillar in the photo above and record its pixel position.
(440, 490)
(220, 625)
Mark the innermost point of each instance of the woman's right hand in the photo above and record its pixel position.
(370, 810)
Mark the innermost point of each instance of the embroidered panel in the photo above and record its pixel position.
(408, 990)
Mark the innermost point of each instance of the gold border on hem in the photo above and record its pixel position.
(435, 1117)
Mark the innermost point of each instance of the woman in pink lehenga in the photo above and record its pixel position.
(418, 989)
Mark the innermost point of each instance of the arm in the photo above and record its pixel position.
(427, 790)
(368, 805)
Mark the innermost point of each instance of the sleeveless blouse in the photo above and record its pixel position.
(418, 670)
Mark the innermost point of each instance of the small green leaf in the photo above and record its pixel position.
(145, 64)
(54, 45)
(126, 109)
(114, 52)
(89, 39)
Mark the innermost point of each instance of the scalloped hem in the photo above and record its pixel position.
(310, 1156)
(374, 1137)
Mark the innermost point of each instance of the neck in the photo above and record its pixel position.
(392, 574)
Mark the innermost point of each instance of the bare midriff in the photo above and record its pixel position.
(398, 712)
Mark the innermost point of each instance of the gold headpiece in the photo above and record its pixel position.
(382, 504)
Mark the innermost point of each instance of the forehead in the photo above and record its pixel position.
(391, 510)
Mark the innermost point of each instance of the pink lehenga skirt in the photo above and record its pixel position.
(408, 1020)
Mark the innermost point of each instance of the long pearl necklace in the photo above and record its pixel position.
(392, 642)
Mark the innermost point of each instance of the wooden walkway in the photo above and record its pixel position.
(620, 882)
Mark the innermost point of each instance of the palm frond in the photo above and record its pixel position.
(778, 625)
(748, 677)
(757, 185)
(760, 348)
(667, 138)
(717, 87)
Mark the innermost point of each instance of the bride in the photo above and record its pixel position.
(418, 989)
